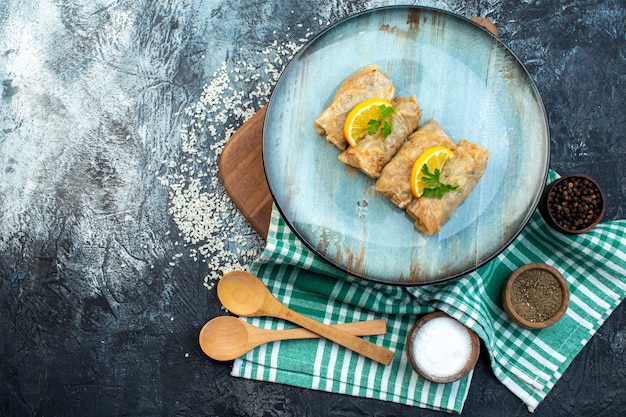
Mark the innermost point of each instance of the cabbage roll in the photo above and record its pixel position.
(363, 85)
(372, 153)
(394, 181)
(464, 169)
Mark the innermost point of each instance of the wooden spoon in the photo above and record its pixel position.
(245, 295)
(225, 338)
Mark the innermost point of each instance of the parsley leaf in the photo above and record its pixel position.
(387, 128)
(435, 188)
(373, 126)
(386, 111)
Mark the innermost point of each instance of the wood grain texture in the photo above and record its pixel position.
(241, 171)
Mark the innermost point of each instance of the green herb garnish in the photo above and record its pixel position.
(373, 126)
(435, 188)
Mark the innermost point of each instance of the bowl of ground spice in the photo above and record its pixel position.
(535, 296)
(573, 204)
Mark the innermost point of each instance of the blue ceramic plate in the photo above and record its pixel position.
(465, 79)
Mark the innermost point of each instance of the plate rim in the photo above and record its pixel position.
(524, 222)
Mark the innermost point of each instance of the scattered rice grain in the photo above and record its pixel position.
(200, 208)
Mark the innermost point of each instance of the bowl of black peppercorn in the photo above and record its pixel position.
(573, 204)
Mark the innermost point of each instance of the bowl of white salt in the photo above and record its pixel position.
(441, 349)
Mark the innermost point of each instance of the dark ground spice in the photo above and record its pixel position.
(536, 295)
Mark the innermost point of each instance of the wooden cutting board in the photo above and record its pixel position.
(241, 166)
(242, 173)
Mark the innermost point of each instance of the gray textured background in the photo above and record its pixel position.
(113, 225)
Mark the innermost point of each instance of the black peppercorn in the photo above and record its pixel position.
(575, 203)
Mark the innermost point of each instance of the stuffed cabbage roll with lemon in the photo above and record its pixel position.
(372, 152)
(463, 170)
(395, 179)
(370, 82)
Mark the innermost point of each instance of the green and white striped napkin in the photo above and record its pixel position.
(528, 362)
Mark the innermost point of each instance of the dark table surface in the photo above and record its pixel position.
(114, 226)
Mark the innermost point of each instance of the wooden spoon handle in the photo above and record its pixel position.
(246, 295)
(358, 328)
(360, 346)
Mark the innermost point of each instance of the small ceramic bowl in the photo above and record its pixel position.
(535, 296)
(441, 349)
(573, 204)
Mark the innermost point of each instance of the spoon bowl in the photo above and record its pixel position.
(243, 294)
(224, 338)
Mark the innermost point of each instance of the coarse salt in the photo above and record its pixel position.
(441, 347)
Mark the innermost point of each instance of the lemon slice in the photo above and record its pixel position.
(355, 127)
(434, 157)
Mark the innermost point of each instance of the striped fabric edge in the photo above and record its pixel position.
(519, 356)
(338, 370)
(438, 397)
